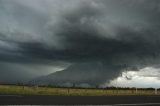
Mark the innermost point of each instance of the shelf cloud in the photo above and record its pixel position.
(119, 35)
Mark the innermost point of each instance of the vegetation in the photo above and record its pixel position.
(26, 90)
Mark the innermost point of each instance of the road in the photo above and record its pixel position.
(62, 100)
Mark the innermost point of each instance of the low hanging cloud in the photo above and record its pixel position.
(112, 35)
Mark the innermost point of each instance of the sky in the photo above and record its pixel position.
(41, 37)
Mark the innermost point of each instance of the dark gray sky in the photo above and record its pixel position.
(43, 36)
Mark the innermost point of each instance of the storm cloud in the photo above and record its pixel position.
(118, 35)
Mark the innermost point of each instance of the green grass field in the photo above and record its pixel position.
(24, 90)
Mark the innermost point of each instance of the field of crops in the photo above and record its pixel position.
(24, 90)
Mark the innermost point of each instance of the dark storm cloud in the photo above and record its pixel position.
(119, 34)
(83, 40)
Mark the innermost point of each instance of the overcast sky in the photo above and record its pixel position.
(39, 37)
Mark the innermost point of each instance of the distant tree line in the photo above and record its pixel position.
(78, 87)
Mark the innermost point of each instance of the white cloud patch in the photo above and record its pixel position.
(146, 77)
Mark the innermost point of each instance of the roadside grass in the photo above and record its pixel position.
(25, 90)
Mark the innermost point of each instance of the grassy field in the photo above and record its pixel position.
(24, 90)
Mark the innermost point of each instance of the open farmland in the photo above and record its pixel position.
(25, 90)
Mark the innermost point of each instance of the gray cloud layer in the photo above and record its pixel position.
(118, 34)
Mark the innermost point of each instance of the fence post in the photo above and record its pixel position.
(155, 91)
(136, 90)
(68, 90)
